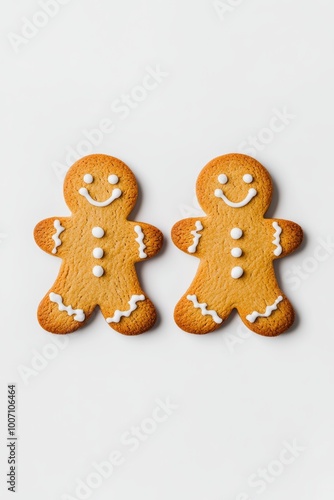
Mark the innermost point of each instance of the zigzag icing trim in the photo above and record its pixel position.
(203, 308)
(269, 309)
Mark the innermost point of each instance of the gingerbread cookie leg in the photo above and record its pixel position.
(132, 315)
(64, 309)
(269, 314)
(200, 311)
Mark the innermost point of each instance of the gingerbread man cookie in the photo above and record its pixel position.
(99, 248)
(236, 246)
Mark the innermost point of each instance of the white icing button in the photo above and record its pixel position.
(98, 253)
(88, 178)
(236, 252)
(236, 233)
(113, 179)
(98, 232)
(222, 178)
(237, 272)
(98, 271)
(248, 178)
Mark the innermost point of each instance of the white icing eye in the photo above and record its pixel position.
(248, 178)
(88, 178)
(222, 178)
(113, 179)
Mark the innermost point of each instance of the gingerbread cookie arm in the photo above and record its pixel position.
(286, 236)
(147, 240)
(48, 234)
(187, 233)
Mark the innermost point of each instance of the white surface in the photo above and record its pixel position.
(237, 402)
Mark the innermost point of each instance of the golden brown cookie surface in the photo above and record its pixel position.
(236, 246)
(99, 248)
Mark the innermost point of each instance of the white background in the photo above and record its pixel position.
(240, 397)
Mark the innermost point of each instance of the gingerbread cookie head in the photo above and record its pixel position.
(98, 182)
(232, 182)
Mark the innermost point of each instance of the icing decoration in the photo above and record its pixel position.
(59, 229)
(237, 272)
(140, 241)
(203, 307)
(88, 178)
(236, 233)
(236, 252)
(277, 239)
(98, 271)
(57, 299)
(133, 306)
(222, 179)
(98, 232)
(269, 309)
(251, 193)
(115, 194)
(98, 253)
(113, 179)
(248, 178)
(197, 237)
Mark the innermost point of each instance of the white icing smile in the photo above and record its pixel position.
(219, 193)
(114, 195)
(89, 179)
(251, 193)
